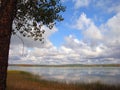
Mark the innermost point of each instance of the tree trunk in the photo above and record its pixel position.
(6, 18)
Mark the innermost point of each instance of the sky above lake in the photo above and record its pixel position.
(89, 34)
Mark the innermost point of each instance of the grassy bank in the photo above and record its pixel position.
(19, 80)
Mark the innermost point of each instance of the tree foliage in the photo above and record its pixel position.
(31, 12)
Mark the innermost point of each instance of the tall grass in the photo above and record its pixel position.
(19, 80)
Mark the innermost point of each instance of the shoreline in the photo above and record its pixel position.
(20, 80)
(68, 65)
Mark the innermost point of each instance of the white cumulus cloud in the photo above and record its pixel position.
(90, 30)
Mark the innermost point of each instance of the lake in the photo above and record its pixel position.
(107, 75)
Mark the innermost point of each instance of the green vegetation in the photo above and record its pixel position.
(20, 80)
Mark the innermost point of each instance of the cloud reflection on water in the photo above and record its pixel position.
(107, 75)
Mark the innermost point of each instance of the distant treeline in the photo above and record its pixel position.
(68, 65)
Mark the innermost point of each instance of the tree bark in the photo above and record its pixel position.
(6, 18)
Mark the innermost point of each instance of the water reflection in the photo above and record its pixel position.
(107, 75)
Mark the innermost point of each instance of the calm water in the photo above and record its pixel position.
(107, 75)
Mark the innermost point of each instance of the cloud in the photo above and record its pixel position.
(90, 30)
(101, 44)
(30, 42)
(78, 52)
(81, 3)
(108, 5)
(93, 33)
(72, 51)
(64, 1)
(82, 48)
(82, 22)
(26, 50)
(107, 35)
(111, 33)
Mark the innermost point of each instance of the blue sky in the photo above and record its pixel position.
(89, 34)
(99, 15)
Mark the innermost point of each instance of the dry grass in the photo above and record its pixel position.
(19, 80)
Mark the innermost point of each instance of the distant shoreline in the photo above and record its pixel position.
(68, 65)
